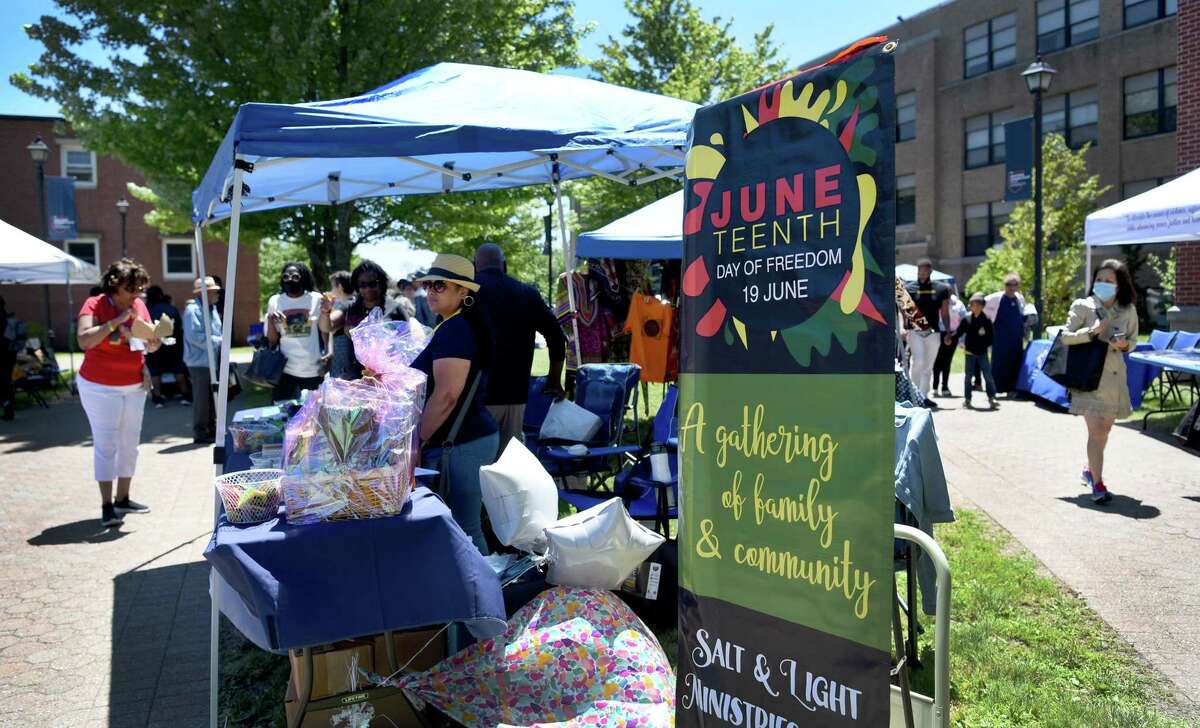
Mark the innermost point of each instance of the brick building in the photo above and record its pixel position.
(100, 183)
(958, 80)
(1186, 312)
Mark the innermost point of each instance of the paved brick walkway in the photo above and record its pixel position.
(1134, 560)
(102, 628)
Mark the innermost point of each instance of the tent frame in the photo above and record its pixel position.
(582, 161)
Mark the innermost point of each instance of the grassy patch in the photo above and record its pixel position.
(1024, 652)
(253, 683)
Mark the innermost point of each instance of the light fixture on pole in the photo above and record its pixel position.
(123, 208)
(1038, 77)
(39, 152)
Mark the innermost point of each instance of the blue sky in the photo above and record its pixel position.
(804, 29)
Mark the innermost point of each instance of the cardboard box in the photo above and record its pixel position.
(407, 645)
(391, 708)
(333, 667)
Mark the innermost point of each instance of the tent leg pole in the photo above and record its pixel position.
(222, 403)
(1087, 271)
(568, 267)
(70, 330)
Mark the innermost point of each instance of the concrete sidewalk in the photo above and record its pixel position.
(1135, 561)
(102, 627)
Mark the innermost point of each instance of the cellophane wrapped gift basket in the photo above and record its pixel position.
(351, 450)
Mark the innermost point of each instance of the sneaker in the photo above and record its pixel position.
(930, 404)
(946, 392)
(109, 516)
(186, 400)
(1100, 494)
(993, 403)
(159, 401)
(129, 506)
(967, 404)
(1085, 478)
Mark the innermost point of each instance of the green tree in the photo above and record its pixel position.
(178, 69)
(1071, 193)
(671, 49)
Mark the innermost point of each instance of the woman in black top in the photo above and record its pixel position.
(457, 361)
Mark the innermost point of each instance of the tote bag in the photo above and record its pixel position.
(266, 367)
(1077, 367)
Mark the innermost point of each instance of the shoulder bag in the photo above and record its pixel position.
(266, 367)
(443, 484)
(1077, 367)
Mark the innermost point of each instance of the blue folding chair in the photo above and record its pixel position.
(1161, 341)
(645, 498)
(608, 391)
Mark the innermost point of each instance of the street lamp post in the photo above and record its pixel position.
(1038, 77)
(123, 208)
(39, 152)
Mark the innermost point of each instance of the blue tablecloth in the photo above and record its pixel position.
(1032, 381)
(301, 586)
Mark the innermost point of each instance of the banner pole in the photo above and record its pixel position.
(214, 581)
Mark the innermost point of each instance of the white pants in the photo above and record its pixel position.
(115, 414)
(923, 345)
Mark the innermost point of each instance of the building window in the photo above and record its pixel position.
(906, 116)
(1074, 115)
(906, 199)
(1063, 23)
(981, 225)
(79, 163)
(985, 138)
(990, 45)
(86, 249)
(1150, 103)
(1139, 12)
(177, 260)
(1133, 189)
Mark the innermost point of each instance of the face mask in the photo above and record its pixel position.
(293, 288)
(1104, 291)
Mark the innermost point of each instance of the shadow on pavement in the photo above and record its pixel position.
(89, 531)
(1195, 498)
(183, 447)
(1121, 505)
(65, 424)
(159, 665)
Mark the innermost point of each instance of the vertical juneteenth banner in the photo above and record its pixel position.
(787, 389)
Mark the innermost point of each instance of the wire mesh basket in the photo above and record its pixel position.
(250, 496)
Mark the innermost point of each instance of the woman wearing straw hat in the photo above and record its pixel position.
(458, 436)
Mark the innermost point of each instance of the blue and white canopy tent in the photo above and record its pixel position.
(447, 128)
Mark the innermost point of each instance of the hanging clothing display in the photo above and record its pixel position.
(650, 321)
(593, 320)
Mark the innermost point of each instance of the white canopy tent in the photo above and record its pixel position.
(1169, 213)
(27, 260)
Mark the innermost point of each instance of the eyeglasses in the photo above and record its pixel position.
(370, 284)
(289, 277)
(435, 286)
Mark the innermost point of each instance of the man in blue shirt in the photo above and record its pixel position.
(195, 355)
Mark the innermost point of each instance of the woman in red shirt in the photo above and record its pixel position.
(111, 380)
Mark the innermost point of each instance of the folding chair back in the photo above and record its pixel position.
(537, 406)
(666, 420)
(1161, 340)
(1185, 340)
(607, 390)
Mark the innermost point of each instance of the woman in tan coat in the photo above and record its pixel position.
(1108, 315)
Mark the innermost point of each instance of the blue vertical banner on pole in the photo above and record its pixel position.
(1018, 160)
(60, 208)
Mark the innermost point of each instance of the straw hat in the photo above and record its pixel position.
(453, 269)
(207, 282)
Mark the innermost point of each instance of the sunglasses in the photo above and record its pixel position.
(289, 277)
(435, 286)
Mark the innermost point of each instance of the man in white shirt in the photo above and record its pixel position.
(296, 319)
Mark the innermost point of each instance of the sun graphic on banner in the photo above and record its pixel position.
(847, 110)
